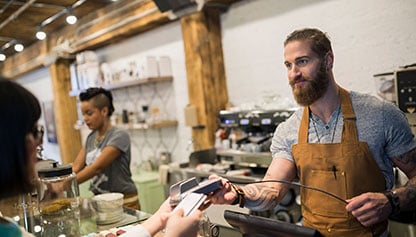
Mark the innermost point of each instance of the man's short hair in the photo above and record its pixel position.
(318, 40)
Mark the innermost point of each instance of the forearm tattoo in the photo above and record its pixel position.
(260, 197)
(408, 197)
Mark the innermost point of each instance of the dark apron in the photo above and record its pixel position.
(346, 169)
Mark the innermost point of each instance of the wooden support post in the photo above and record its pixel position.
(207, 86)
(65, 108)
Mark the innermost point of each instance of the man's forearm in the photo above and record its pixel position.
(260, 197)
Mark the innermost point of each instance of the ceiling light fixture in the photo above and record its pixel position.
(40, 34)
(71, 18)
(19, 47)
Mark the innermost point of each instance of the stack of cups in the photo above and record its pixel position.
(109, 208)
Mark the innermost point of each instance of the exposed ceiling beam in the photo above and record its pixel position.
(16, 14)
(36, 4)
(141, 17)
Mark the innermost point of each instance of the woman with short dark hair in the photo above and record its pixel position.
(106, 155)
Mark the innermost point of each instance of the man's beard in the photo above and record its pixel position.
(311, 91)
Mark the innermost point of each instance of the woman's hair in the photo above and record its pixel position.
(20, 112)
(100, 98)
(318, 40)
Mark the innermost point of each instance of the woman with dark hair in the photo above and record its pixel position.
(106, 156)
(19, 137)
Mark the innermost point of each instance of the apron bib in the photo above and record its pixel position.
(346, 169)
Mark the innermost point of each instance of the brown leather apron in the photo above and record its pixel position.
(346, 169)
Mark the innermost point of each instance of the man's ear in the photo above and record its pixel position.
(329, 60)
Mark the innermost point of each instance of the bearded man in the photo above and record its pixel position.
(342, 142)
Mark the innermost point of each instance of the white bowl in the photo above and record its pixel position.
(109, 217)
(109, 201)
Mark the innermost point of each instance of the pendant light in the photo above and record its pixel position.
(18, 47)
(40, 34)
(71, 18)
(2, 57)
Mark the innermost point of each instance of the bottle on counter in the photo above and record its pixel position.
(144, 115)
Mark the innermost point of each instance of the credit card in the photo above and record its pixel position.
(191, 203)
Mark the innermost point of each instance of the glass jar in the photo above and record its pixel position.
(58, 201)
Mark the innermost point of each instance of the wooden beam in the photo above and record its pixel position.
(65, 109)
(105, 26)
(203, 49)
(207, 88)
(100, 28)
(117, 22)
(30, 59)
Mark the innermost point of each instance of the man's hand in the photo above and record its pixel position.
(226, 195)
(369, 208)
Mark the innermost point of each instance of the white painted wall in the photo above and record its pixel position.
(38, 82)
(369, 37)
(165, 41)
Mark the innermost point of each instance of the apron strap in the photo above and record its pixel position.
(349, 129)
(304, 126)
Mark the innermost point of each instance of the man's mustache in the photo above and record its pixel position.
(296, 80)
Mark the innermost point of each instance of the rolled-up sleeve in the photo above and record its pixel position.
(285, 135)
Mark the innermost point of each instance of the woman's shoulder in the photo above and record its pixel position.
(118, 130)
(8, 228)
(118, 133)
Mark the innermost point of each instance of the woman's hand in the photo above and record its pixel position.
(179, 225)
(158, 220)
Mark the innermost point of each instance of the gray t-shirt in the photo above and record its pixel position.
(117, 176)
(379, 123)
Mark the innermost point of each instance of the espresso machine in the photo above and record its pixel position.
(251, 133)
(405, 88)
(248, 135)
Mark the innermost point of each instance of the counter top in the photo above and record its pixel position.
(81, 221)
(231, 152)
(192, 172)
(248, 159)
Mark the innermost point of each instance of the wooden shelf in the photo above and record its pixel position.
(124, 84)
(155, 125)
(142, 126)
